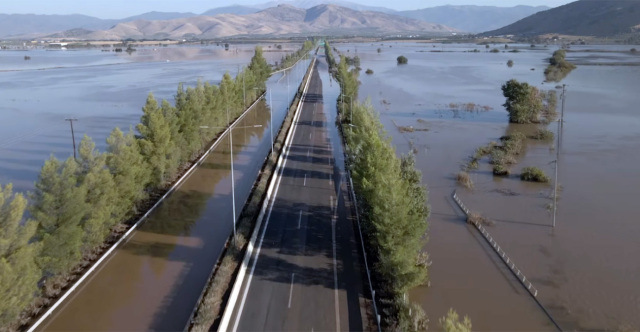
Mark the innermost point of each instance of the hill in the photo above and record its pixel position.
(473, 18)
(278, 21)
(581, 18)
(307, 4)
(236, 10)
(28, 24)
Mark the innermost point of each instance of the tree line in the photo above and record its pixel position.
(79, 204)
(393, 205)
(291, 58)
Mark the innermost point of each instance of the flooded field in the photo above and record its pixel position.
(585, 269)
(103, 90)
(153, 280)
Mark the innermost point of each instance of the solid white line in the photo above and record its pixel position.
(335, 265)
(283, 158)
(291, 290)
(299, 219)
(305, 180)
(308, 152)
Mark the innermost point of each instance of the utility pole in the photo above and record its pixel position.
(271, 121)
(555, 189)
(562, 112)
(233, 188)
(73, 136)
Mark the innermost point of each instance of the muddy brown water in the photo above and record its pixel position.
(586, 268)
(153, 280)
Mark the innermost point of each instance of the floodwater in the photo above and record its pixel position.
(585, 269)
(103, 90)
(152, 281)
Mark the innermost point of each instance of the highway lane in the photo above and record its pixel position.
(307, 273)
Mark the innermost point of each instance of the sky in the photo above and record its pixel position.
(125, 8)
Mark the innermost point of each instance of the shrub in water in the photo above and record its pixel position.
(534, 174)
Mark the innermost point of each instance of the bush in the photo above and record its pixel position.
(500, 170)
(369, 71)
(495, 50)
(542, 135)
(558, 67)
(510, 63)
(633, 50)
(452, 323)
(402, 60)
(464, 180)
(534, 174)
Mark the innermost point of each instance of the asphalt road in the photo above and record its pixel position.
(307, 271)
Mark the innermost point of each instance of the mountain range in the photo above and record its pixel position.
(282, 20)
(580, 18)
(462, 18)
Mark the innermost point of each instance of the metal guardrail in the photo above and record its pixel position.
(506, 259)
(364, 252)
(127, 235)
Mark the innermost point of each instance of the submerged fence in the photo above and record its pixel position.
(506, 260)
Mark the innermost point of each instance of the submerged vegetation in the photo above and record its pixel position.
(464, 179)
(534, 174)
(558, 67)
(402, 60)
(543, 135)
(79, 205)
(394, 220)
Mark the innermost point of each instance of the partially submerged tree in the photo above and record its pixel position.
(402, 60)
(523, 103)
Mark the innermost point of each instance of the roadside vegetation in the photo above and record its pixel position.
(402, 60)
(290, 59)
(452, 323)
(394, 220)
(558, 67)
(80, 206)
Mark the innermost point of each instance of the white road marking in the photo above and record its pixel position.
(305, 180)
(335, 264)
(291, 289)
(308, 152)
(264, 230)
(299, 219)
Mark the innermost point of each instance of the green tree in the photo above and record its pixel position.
(19, 273)
(259, 66)
(524, 102)
(58, 208)
(156, 144)
(101, 195)
(451, 322)
(402, 60)
(130, 171)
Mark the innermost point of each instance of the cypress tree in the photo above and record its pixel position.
(101, 195)
(156, 144)
(129, 170)
(19, 273)
(58, 208)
